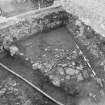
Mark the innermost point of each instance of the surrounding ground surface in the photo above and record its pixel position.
(89, 11)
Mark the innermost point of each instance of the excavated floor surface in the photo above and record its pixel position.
(34, 47)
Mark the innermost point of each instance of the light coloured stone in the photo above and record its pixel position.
(73, 63)
(26, 59)
(56, 82)
(36, 66)
(79, 77)
(71, 71)
(21, 54)
(79, 67)
(60, 70)
(68, 77)
(13, 50)
(2, 91)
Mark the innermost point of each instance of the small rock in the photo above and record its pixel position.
(28, 102)
(85, 74)
(64, 65)
(99, 81)
(2, 91)
(73, 63)
(71, 71)
(60, 70)
(51, 76)
(68, 77)
(56, 82)
(21, 54)
(13, 50)
(31, 61)
(26, 59)
(79, 77)
(80, 67)
(102, 92)
(36, 66)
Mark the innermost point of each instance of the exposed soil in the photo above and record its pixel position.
(23, 67)
(14, 91)
(34, 47)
